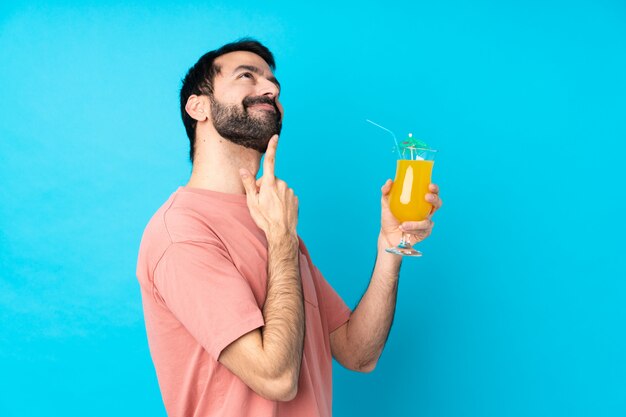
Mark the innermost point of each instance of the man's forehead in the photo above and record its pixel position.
(232, 60)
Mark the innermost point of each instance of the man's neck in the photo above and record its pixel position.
(217, 163)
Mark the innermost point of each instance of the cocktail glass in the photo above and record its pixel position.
(407, 199)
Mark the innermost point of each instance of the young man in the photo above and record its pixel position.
(239, 320)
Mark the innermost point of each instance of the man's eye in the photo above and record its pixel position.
(246, 75)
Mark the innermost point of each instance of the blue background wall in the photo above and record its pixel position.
(518, 307)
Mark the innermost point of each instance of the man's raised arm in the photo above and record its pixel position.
(268, 359)
(358, 344)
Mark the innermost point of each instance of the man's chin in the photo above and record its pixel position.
(258, 145)
(263, 146)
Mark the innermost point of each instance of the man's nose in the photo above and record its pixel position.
(268, 88)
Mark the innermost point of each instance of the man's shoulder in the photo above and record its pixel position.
(179, 219)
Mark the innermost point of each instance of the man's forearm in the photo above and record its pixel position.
(283, 333)
(369, 324)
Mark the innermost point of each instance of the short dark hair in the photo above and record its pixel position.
(199, 79)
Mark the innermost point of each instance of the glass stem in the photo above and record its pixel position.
(405, 242)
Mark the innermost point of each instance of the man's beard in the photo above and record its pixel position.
(237, 125)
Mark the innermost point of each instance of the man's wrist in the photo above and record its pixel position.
(390, 259)
(288, 242)
(384, 243)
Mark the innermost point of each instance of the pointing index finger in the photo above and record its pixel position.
(270, 160)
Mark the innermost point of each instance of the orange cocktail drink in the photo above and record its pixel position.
(407, 199)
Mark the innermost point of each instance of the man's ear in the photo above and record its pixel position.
(197, 107)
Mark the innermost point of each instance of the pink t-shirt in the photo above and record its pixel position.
(202, 268)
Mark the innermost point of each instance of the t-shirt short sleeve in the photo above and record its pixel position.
(337, 312)
(202, 288)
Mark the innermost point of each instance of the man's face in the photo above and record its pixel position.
(244, 105)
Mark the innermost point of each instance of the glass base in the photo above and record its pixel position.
(406, 251)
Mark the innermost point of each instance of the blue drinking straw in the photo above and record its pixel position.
(392, 135)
